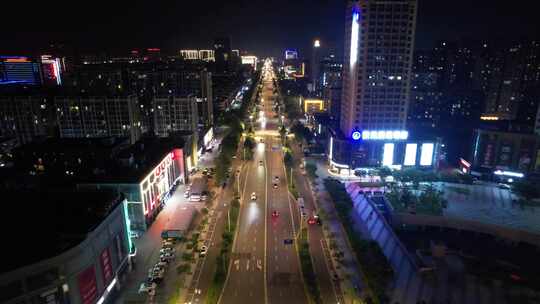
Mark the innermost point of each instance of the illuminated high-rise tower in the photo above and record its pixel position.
(379, 41)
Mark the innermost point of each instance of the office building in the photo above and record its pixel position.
(315, 66)
(190, 54)
(291, 54)
(331, 80)
(19, 69)
(98, 116)
(250, 60)
(379, 40)
(207, 55)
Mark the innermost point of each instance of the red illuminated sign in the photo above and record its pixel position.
(106, 267)
(88, 285)
(465, 163)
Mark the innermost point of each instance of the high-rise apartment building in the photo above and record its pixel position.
(173, 114)
(513, 91)
(379, 44)
(24, 117)
(223, 54)
(98, 116)
(377, 68)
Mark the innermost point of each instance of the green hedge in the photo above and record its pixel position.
(375, 267)
(307, 267)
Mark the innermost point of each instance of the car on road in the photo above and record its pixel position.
(167, 256)
(275, 186)
(503, 186)
(276, 179)
(147, 287)
(311, 221)
(253, 196)
(186, 194)
(166, 243)
(234, 157)
(275, 213)
(203, 251)
(134, 234)
(260, 163)
(165, 250)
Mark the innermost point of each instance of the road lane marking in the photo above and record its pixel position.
(247, 265)
(237, 264)
(259, 264)
(265, 226)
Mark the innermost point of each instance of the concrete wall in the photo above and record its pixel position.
(510, 234)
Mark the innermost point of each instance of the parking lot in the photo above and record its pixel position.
(489, 204)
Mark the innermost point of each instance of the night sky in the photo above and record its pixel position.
(263, 27)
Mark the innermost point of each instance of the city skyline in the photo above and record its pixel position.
(291, 152)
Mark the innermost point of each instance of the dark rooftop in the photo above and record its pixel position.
(147, 153)
(42, 224)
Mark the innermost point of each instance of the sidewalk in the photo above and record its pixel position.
(336, 247)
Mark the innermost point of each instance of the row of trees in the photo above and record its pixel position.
(375, 267)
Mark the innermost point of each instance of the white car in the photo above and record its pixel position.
(167, 256)
(203, 251)
(276, 179)
(147, 287)
(253, 196)
(134, 234)
(166, 250)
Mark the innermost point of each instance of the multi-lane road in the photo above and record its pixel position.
(264, 266)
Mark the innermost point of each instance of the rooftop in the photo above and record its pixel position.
(146, 154)
(43, 224)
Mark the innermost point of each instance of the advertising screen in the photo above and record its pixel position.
(88, 285)
(426, 157)
(388, 154)
(410, 154)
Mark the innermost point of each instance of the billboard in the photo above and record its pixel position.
(88, 285)
(426, 156)
(388, 154)
(410, 154)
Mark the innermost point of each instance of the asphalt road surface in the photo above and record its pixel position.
(263, 268)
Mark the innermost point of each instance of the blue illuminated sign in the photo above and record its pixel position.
(356, 135)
